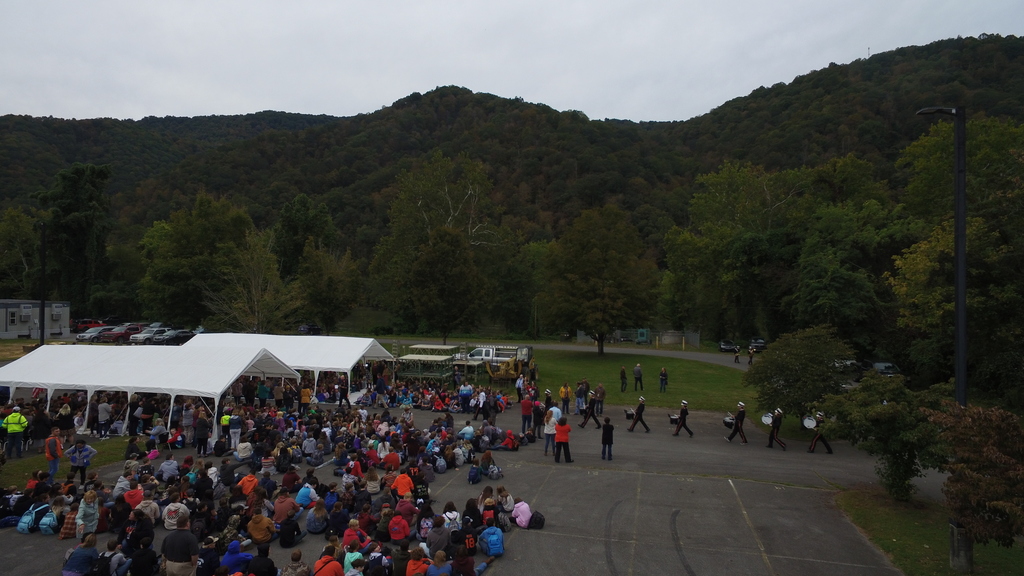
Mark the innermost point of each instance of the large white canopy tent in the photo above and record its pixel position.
(201, 371)
(314, 353)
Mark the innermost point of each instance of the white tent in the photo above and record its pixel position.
(315, 353)
(175, 370)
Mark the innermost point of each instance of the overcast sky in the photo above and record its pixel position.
(640, 60)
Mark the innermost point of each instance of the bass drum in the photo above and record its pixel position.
(809, 422)
(729, 421)
(766, 419)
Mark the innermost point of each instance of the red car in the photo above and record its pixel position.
(121, 334)
(84, 324)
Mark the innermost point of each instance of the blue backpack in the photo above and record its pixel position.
(495, 543)
(28, 522)
(474, 475)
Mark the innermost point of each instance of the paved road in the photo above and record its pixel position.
(664, 504)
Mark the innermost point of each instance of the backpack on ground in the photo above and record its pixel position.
(29, 522)
(494, 472)
(474, 475)
(536, 521)
(102, 566)
(440, 466)
(48, 525)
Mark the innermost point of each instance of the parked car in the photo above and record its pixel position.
(146, 336)
(758, 344)
(111, 321)
(886, 369)
(174, 337)
(83, 324)
(310, 328)
(727, 346)
(92, 334)
(120, 334)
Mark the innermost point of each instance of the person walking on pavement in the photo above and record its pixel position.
(736, 354)
(15, 424)
(622, 377)
(776, 424)
(638, 378)
(819, 418)
(638, 416)
(591, 412)
(737, 426)
(683, 413)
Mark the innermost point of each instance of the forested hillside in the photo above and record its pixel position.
(822, 201)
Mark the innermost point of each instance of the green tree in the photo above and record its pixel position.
(447, 293)
(888, 420)
(299, 221)
(983, 490)
(328, 286)
(187, 256)
(597, 279)
(250, 295)
(78, 225)
(19, 254)
(799, 369)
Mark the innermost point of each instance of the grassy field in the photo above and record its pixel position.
(704, 386)
(17, 471)
(915, 535)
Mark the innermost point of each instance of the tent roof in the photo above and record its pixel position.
(316, 353)
(199, 371)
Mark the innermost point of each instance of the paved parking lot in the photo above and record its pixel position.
(664, 505)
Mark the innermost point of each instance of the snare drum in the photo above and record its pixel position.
(809, 422)
(766, 419)
(729, 421)
(630, 415)
(673, 418)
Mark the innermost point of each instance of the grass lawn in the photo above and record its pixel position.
(915, 535)
(704, 386)
(17, 471)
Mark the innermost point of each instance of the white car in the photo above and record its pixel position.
(146, 336)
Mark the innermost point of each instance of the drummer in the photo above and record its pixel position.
(776, 424)
(819, 418)
(737, 427)
(683, 413)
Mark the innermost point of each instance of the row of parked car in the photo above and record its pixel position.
(132, 333)
(757, 343)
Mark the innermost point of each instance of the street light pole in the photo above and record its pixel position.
(42, 283)
(961, 547)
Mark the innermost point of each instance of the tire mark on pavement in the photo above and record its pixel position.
(674, 527)
(608, 540)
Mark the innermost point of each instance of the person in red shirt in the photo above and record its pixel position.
(291, 481)
(562, 430)
(406, 509)
(391, 461)
(285, 504)
(328, 565)
(527, 411)
(398, 528)
(134, 494)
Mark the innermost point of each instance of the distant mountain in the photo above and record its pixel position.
(546, 166)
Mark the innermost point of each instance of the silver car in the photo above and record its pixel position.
(146, 336)
(92, 334)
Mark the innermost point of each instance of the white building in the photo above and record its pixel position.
(21, 319)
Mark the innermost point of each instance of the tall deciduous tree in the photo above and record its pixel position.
(799, 369)
(447, 291)
(250, 295)
(986, 469)
(301, 220)
(887, 420)
(19, 250)
(597, 278)
(186, 256)
(328, 286)
(79, 223)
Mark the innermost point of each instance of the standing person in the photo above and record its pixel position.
(562, 430)
(776, 424)
(599, 394)
(103, 414)
(526, 409)
(581, 395)
(638, 416)
(180, 550)
(622, 377)
(590, 412)
(638, 377)
(80, 457)
(66, 423)
(54, 450)
(663, 380)
(202, 432)
(520, 382)
(750, 356)
(606, 437)
(736, 354)
(15, 424)
(737, 426)
(564, 394)
(819, 418)
(188, 423)
(549, 431)
(683, 413)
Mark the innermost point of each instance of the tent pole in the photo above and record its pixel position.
(215, 419)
